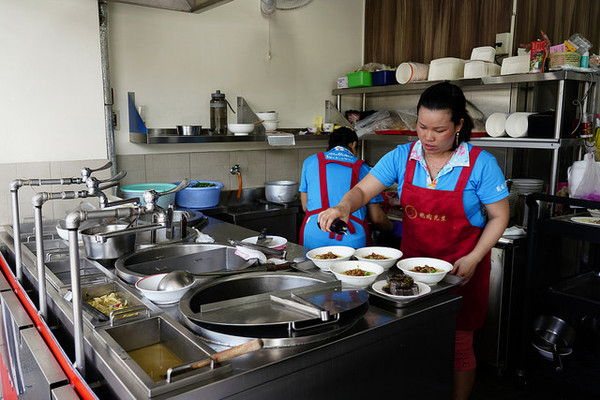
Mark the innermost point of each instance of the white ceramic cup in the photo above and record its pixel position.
(411, 72)
(517, 124)
(495, 124)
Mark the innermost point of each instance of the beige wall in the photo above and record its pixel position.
(52, 108)
(173, 62)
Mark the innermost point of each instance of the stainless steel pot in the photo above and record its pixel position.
(281, 191)
(98, 248)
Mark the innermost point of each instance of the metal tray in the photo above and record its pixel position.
(449, 282)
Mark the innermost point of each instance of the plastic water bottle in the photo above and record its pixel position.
(583, 63)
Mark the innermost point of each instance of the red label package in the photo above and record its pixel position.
(537, 57)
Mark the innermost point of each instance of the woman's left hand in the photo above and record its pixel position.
(465, 267)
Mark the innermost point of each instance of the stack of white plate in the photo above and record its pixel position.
(523, 187)
(526, 186)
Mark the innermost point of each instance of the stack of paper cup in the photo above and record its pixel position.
(495, 124)
(411, 72)
(517, 124)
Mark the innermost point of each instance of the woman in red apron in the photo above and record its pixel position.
(326, 177)
(443, 182)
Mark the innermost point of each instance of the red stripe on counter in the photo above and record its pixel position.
(75, 380)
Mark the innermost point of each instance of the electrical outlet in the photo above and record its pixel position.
(502, 43)
(115, 119)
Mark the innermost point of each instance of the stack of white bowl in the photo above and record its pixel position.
(269, 118)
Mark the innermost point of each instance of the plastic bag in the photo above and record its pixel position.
(589, 188)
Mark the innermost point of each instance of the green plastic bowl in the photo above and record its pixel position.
(138, 189)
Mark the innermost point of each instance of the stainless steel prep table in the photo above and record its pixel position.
(387, 347)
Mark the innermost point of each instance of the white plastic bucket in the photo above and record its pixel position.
(495, 124)
(517, 124)
(411, 72)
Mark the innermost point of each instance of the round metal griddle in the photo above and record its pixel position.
(283, 309)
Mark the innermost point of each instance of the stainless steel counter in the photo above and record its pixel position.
(383, 349)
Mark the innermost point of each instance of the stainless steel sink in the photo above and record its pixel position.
(137, 347)
(193, 257)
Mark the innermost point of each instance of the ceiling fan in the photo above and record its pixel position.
(269, 6)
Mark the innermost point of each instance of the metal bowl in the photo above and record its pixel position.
(189, 130)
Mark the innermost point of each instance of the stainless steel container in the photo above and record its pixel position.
(281, 191)
(189, 130)
(98, 248)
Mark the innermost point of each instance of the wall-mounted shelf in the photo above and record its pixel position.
(170, 136)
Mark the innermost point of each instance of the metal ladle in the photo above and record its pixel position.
(179, 279)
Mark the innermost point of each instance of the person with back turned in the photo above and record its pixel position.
(326, 177)
(443, 182)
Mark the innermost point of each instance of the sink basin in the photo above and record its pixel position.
(143, 350)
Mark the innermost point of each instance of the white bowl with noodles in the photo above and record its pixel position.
(343, 253)
(430, 278)
(384, 256)
(367, 272)
(149, 288)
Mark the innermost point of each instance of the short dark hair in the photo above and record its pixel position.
(447, 96)
(342, 136)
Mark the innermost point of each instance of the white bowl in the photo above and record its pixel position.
(594, 213)
(344, 253)
(277, 242)
(408, 264)
(339, 268)
(267, 115)
(148, 286)
(392, 255)
(270, 125)
(240, 128)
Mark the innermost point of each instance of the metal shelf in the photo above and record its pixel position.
(490, 80)
(170, 136)
(525, 143)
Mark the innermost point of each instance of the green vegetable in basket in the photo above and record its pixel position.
(203, 184)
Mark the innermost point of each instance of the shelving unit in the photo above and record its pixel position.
(526, 92)
(567, 285)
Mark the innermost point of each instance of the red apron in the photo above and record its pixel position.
(325, 198)
(435, 225)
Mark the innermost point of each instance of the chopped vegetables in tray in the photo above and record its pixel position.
(107, 303)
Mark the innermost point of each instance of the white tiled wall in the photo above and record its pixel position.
(257, 166)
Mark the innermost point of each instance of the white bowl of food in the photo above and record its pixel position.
(277, 242)
(149, 288)
(356, 273)
(240, 129)
(425, 269)
(325, 257)
(384, 256)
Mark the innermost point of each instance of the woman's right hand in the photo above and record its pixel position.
(326, 218)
